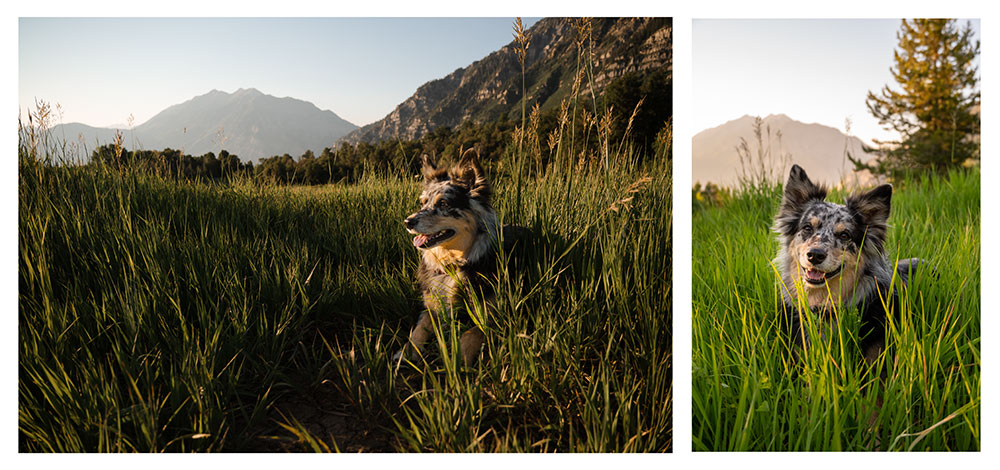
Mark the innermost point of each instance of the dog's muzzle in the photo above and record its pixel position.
(815, 256)
(426, 240)
(817, 277)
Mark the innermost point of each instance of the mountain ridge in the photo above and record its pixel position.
(247, 123)
(816, 147)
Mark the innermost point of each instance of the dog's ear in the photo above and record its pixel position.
(799, 190)
(470, 174)
(428, 168)
(871, 208)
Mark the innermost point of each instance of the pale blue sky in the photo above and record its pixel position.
(811, 70)
(102, 70)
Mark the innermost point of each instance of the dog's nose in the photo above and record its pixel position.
(410, 222)
(816, 256)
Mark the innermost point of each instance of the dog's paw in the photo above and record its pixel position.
(405, 354)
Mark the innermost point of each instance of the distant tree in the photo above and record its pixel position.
(621, 96)
(286, 168)
(327, 160)
(310, 170)
(166, 162)
(935, 109)
(230, 163)
(108, 155)
(278, 169)
(210, 166)
(646, 99)
(345, 162)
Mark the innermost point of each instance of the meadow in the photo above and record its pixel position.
(158, 315)
(753, 391)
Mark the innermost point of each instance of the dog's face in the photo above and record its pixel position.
(826, 242)
(454, 205)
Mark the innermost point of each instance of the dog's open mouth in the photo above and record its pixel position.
(817, 277)
(430, 240)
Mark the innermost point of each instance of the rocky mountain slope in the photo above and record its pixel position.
(492, 87)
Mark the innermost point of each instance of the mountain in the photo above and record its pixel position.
(817, 148)
(491, 87)
(246, 123)
(91, 136)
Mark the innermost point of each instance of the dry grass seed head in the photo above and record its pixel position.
(630, 192)
(635, 111)
(604, 124)
(522, 39)
(533, 122)
(583, 26)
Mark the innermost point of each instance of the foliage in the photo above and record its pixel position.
(649, 97)
(171, 163)
(710, 195)
(935, 110)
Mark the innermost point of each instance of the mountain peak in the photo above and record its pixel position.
(215, 92)
(778, 117)
(248, 91)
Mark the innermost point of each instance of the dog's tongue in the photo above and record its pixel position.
(815, 274)
(419, 240)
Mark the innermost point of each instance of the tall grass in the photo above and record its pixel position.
(148, 307)
(157, 315)
(753, 391)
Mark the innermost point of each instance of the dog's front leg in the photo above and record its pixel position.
(420, 334)
(472, 344)
(873, 350)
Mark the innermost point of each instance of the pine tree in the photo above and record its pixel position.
(935, 109)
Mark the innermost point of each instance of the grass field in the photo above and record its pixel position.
(157, 315)
(751, 393)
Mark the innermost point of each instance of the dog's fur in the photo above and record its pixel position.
(834, 256)
(457, 235)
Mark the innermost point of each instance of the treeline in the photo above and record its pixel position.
(632, 112)
(348, 162)
(172, 163)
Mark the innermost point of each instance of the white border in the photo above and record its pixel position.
(683, 13)
(683, 106)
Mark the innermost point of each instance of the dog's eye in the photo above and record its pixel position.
(807, 229)
(844, 236)
(442, 203)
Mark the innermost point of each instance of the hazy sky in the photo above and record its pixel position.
(102, 70)
(814, 71)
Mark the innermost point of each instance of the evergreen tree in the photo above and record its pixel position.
(935, 109)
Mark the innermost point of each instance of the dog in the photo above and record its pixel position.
(832, 257)
(457, 234)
